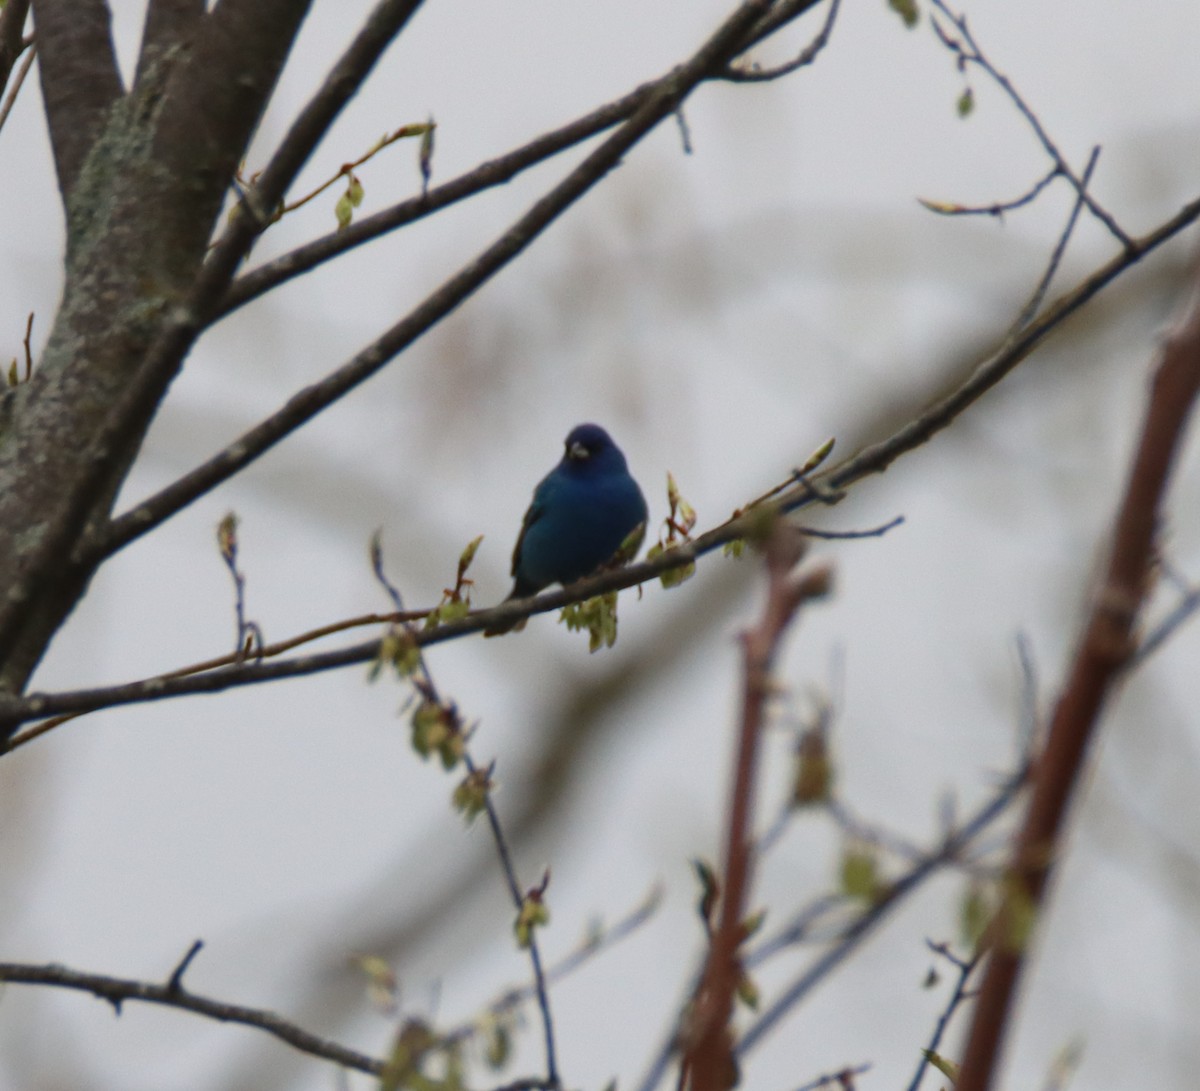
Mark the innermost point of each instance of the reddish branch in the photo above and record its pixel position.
(1109, 640)
(709, 1060)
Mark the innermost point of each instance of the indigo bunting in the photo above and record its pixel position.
(583, 512)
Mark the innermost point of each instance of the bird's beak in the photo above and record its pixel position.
(577, 452)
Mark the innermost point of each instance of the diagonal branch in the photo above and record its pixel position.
(877, 457)
(668, 94)
(873, 459)
(495, 172)
(735, 73)
(1109, 641)
(249, 286)
(80, 79)
(12, 42)
(967, 50)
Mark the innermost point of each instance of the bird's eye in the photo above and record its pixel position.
(577, 452)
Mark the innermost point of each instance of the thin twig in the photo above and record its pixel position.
(249, 634)
(1165, 629)
(734, 73)
(346, 169)
(429, 691)
(13, 16)
(591, 946)
(967, 50)
(233, 658)
(850, 535)
(518, 897)
(494, 172)
(1030, 720)
(895, 893)
(10, 99)
(997, 208)
(175, 981)
(842, 1080)
(964, 968)
(118, 990)
(25, 341)
(1030, 310)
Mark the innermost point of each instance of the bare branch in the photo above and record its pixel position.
(1107, 645)
(1060, 248)
(873, 459)
(842, 1080)
(12, 43)
(668, 93)
(708, 1039)
(17, 709)
(118, 990)
(10, 99)
(958, 995)
(1187, 606)
(427, 691)
(997, 208)
(956, 844)
(80, 79)
(495, 172)
(967, 50)
(593, 945)
(133, 248)
(735, 73)
(879, 456)
(952, 849)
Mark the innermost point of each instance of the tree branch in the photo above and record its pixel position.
(12, 42)
(877, 457)
(955, 844)
(870, 460)
(667, 95)
(169, 25)
(80, 79)
(1108, 642)
(155, 183)
(708, 1058)
(118, 990)
(249, 286)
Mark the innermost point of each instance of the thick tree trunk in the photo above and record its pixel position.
(143, 176)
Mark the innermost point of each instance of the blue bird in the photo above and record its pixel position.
(583, 512)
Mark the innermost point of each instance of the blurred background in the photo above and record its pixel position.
(722, 313)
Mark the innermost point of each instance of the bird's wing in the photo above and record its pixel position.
(536, 510)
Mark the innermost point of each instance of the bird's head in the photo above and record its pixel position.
(590, 448)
